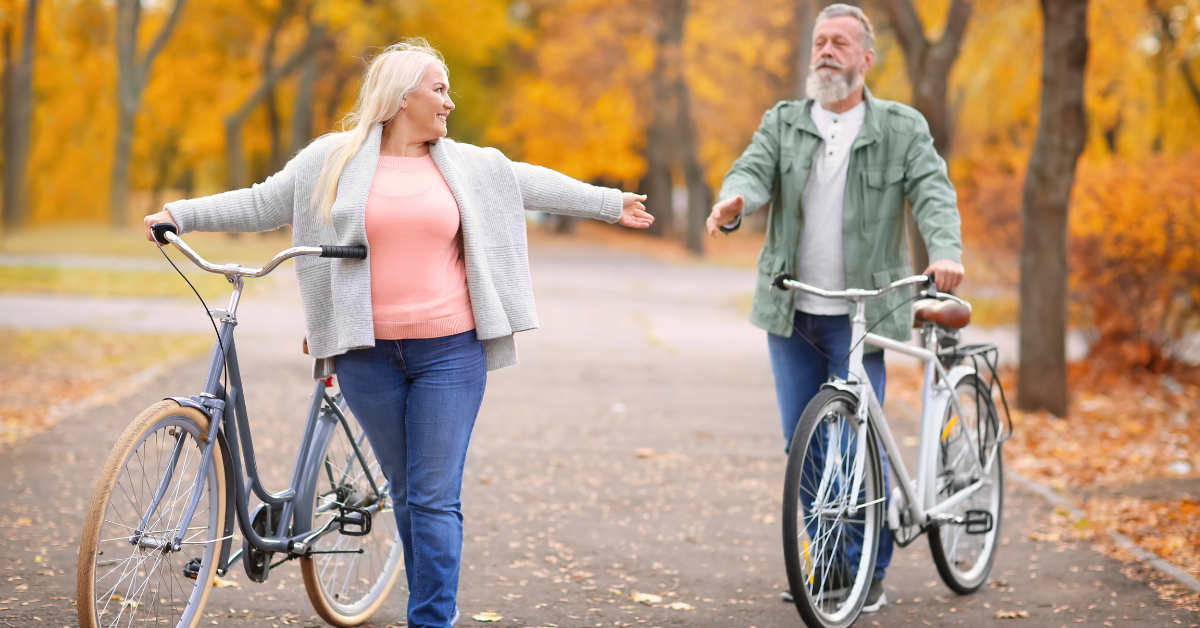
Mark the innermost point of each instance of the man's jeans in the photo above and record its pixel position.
(799, 372)
(417, 401)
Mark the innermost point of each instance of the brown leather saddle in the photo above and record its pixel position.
(945, 313)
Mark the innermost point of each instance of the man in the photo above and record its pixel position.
(837, 168)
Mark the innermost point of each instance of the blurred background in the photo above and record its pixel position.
(113, 107)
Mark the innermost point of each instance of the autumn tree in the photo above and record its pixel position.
(1062, 132)
(236, 174)
(18, 115)
(671, 141)
(132, 73)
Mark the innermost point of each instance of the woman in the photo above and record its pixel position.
(414, 328)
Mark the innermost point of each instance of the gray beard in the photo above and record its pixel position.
(836, 88)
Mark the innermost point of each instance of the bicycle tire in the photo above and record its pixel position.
(107, 526)
(338, 469)
(817, 568)
(952, 547)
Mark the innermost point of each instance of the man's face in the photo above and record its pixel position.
(839, 62)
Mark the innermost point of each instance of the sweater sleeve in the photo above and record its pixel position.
(548, 191)
(260, 207)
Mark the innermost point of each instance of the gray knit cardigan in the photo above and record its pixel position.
(492, 194)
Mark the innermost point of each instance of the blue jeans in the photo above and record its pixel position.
(799, 372)
(417, 401)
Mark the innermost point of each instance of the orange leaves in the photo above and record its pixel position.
(1135, 253)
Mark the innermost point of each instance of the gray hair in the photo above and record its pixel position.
(845, 10)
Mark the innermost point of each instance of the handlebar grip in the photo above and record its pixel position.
(159, 229)
(779, 279)
(347, 252)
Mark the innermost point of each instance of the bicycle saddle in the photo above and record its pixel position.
(944, 313)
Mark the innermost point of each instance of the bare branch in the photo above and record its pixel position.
(907, 23)
(1193, 88)
(161, 39)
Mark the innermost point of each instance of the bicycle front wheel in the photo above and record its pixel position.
(126, 578)
(830, 530)
(969, 451)
(348, 577)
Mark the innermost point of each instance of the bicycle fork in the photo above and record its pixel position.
(139, 538)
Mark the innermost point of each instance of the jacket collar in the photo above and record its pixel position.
(801, 118)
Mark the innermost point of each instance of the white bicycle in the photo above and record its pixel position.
(834, 492)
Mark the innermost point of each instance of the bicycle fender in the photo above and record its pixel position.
(938, 403)
(305, 495)
(190, 403)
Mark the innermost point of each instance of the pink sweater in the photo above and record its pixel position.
(418, 279)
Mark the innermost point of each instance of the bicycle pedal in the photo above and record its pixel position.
(191, 570)
(978, 522)
(354, 516)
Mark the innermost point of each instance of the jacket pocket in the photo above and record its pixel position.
(884, 198)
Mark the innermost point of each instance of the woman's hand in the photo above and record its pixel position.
(633, 213)
(153, 219)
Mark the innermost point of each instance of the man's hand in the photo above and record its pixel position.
(633, 212)
(946, 273)
(724, 213)
(153, 219)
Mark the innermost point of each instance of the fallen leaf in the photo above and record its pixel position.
(643, 452)
(486, 616)
(680, 606)
(25, 522)
(1012, 614)
(649, 599)
(222, 583)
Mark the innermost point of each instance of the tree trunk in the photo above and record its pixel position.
(132, 74)
(302, 110)
(274, 124)
(1062, 132)
(235, 165)
(929, 64)
(805, 12)
(18, 114)
(656, 182)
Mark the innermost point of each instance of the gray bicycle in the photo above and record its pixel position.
(160, 526)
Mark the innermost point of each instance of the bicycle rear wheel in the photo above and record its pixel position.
(349, 584)
(830, 531)
(120, 582)
(964, 553)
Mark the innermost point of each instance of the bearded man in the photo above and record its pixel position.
(837, 168)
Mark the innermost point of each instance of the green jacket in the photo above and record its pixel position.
(892, 159)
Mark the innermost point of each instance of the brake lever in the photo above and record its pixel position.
(931, 290)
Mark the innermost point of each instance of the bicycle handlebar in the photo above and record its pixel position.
(784, 281)
(165, 232)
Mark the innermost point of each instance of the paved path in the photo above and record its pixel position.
(636, 448)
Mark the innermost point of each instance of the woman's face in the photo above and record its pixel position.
(427, 107)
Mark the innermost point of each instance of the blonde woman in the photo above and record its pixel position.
(414, 328)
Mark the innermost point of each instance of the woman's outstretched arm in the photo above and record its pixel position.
(260, 207)
(545, 190)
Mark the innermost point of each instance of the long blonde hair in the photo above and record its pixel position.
(392, 75)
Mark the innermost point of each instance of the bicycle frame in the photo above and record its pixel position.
(324, 417)
(918, 495)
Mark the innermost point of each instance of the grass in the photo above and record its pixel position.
(101, 241)
(45, 369)
(101, 282)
